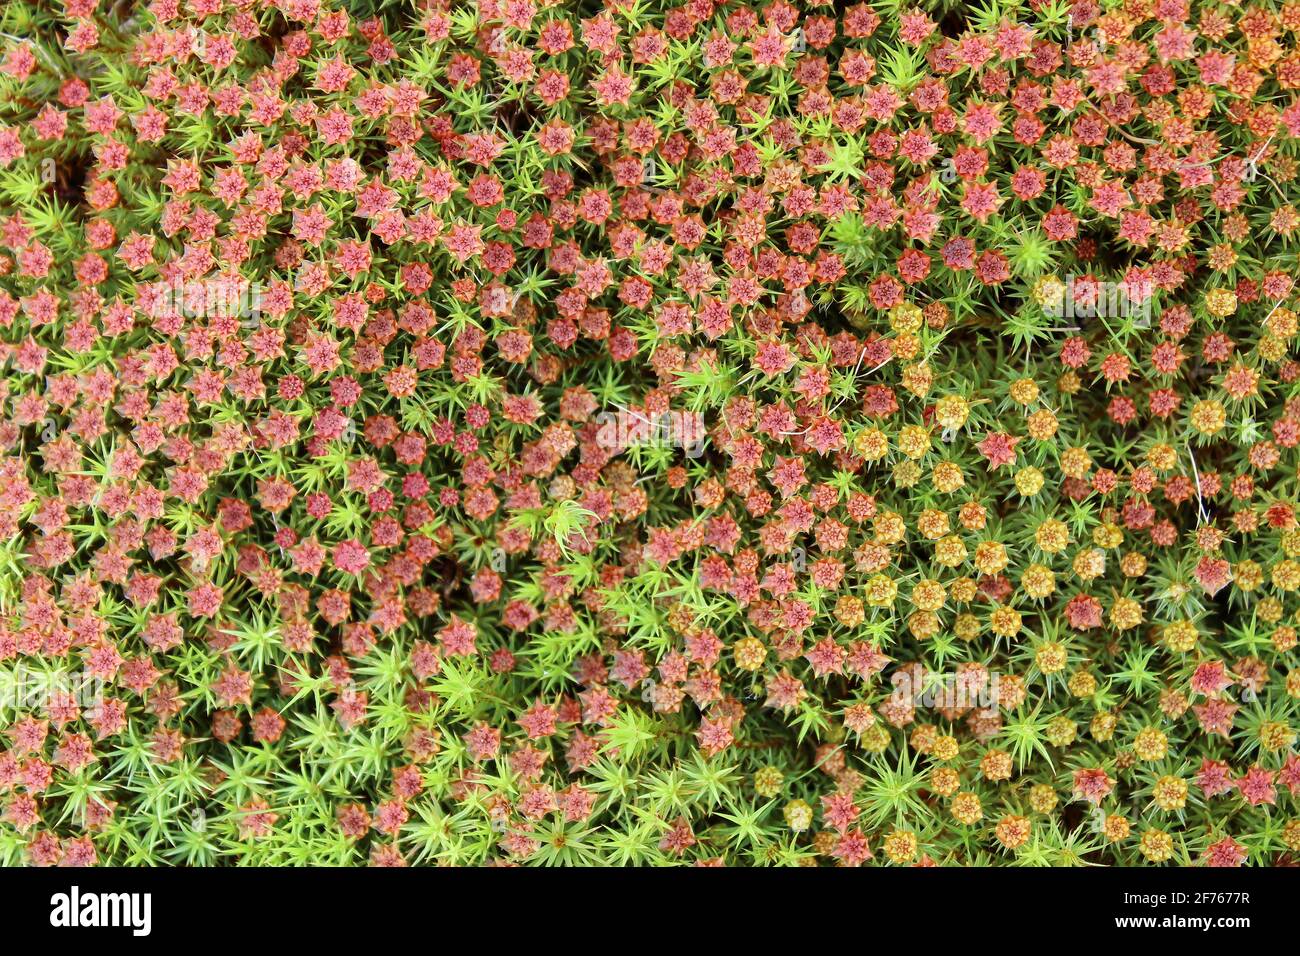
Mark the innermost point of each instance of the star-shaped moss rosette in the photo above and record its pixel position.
(518, 432)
